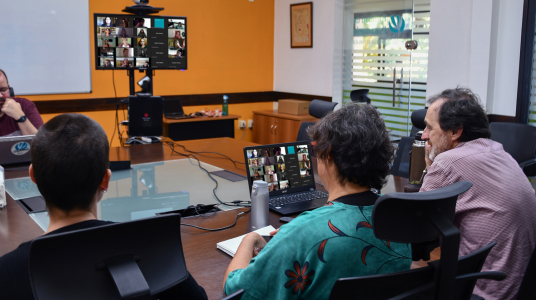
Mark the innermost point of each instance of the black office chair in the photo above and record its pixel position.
(317, 109)
(519, 140)
(402, 161)
(386, 286)
(417, 218)
(235, 296)
(403, 157)
(360, 95)
(527, 291)
(417, 119)
(131, 260)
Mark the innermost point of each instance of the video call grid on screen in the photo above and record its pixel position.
(284, 168)
(139, 42)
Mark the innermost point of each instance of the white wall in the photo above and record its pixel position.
(475, 43)
(305, 70)
(502, 88)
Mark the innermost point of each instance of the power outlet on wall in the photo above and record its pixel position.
(241, 124)
(250, 124)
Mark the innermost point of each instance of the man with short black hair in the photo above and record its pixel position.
(18, 116)
(70, 167)
(501, 205)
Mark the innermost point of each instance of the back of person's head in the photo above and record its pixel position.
(461, 109)
(69, 158)
(356, 140)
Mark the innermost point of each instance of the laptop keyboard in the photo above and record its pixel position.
(288, 199)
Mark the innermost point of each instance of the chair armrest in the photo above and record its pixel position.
(529, 167)
(493, 275)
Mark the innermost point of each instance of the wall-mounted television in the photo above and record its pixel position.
(140, 42)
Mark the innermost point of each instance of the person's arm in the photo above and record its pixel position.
(14, 110)
(437, 177)
(244, 254)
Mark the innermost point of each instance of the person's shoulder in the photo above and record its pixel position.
(14, 277)
(25, 103)
(15, 256)
(21, 100)
(329, 210)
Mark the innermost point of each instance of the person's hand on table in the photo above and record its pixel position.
(12, 108)
(256, 240)
(272, 233)
(250, 247)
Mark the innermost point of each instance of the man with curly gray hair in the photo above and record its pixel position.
(501, 205)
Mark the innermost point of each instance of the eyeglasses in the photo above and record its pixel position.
(4, 90)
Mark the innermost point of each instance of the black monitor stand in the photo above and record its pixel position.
(132, 82)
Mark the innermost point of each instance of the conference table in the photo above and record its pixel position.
(205, 262)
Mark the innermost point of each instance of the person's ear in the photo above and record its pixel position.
(106, 180)
(456, 134)
(31, 171)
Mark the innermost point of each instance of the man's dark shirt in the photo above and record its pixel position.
(15, 277)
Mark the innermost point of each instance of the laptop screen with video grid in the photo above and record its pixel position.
(285, 167)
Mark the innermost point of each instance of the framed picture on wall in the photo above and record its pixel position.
(301, 25)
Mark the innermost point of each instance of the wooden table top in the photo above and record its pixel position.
(204, 261)
(201, 119)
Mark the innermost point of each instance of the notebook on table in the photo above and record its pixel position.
(15, 149)
(289, 173)
(231, 246)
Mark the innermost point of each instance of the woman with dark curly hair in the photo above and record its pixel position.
(306, 256)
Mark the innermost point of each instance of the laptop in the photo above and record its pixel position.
(173, 109)
(289, 173)
(15, 149)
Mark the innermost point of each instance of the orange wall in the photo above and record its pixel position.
(230, 50)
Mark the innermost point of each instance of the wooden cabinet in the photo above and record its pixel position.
(271, 127)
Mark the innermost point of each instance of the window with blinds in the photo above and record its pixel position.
(377, 60)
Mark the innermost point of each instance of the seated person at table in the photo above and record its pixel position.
(501, 205)
(18, 116)
(306, 256)
(71, 187)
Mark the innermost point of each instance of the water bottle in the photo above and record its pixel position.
(259, 205)
(225, 106)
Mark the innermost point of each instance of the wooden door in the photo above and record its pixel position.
(263, 128)
(286, 130)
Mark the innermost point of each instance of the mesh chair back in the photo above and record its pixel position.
(421, 217)
(519, 140)
(419, 283)
(144, 257)
(302, 133)
(414, 131)
(385, 286)
(402, 160)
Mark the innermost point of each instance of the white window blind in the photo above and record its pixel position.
(370, 61)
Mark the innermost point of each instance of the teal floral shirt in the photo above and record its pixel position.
(309, 254)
